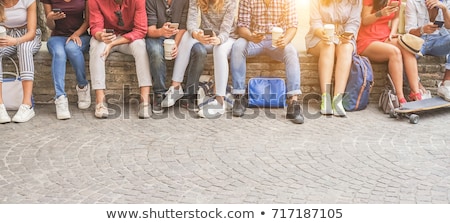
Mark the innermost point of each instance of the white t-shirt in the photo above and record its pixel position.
(16, 16)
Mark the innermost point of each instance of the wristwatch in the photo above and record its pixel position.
(421, 30)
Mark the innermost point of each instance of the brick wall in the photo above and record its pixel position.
(121, 74)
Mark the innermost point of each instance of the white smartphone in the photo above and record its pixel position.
(174, 25)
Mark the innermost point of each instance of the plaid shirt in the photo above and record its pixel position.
(255, 15)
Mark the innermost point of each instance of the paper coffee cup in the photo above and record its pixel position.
(169, 44)
(2, 31)
(276, 34)
(329, 30)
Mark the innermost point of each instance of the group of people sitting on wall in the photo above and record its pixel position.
(193, 28)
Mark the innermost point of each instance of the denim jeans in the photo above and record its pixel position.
(155, 51)
(243, 49)
(437, 45)
(60, 52)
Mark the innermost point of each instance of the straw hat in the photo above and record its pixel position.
(411, 43)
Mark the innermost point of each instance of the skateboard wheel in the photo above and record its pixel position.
(414, 119)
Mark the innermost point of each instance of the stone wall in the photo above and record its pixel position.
(121, 74)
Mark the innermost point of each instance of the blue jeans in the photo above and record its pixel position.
(243, 49)
(155, 50)
(60, 52)
(437, 45)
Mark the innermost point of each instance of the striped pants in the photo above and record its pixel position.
(25, 52)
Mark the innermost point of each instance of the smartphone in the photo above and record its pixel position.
(56, 10)
(347, 34)
(439, 23)
(394, 3)
(174, 25)
(109, 30)
(208, 32)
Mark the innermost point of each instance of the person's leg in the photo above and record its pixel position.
(325, 51)
(4, 52)
(238, 64)
(221, 66)
(382, 52)
(195, 67)
(75, 54)
(411, 70)
(138, 50)
(439, 45)
(97, 72)
(155, 50)
(25, 52)
(182, 59)
(221, 70)
(289, 56)
(344, 54)
(55, 45)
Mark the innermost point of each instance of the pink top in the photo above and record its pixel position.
(377, 31)
(102, 15)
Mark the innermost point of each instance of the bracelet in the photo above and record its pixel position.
(421, 30)
(378, 14)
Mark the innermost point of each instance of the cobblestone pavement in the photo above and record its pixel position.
(177, 158)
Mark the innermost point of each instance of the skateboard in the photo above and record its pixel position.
(409, 109)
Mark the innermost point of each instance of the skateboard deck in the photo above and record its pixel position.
(423, 105)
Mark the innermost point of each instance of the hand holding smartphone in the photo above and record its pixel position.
(439, 23)
(174, 25)
(208, 32)
(394, 4)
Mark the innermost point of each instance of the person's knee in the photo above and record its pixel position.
(240, 45)
(198, 51)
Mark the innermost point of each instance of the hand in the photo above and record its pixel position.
(323, 36)
(202, 38)
(174, 51)
(7, 41)
(106, 52)
(392, 36)
(167, 32)
(75, 38)
(281, 42)
(430, 28)
(56, 15)
(434, 4)
(107, 37)
(257, 37)
(388, 10)
(344, 39)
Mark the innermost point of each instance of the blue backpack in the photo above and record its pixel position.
(359, 84)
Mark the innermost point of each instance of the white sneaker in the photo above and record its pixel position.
(62, 108)
(101, 111)
(325, 106)
(4, 117)
(338, 108)
(212, 109)
(24, 114)
(172, 95)
(444, 90)
(84, 97)
(144, 111)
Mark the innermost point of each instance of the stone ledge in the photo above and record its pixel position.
(121, 74)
